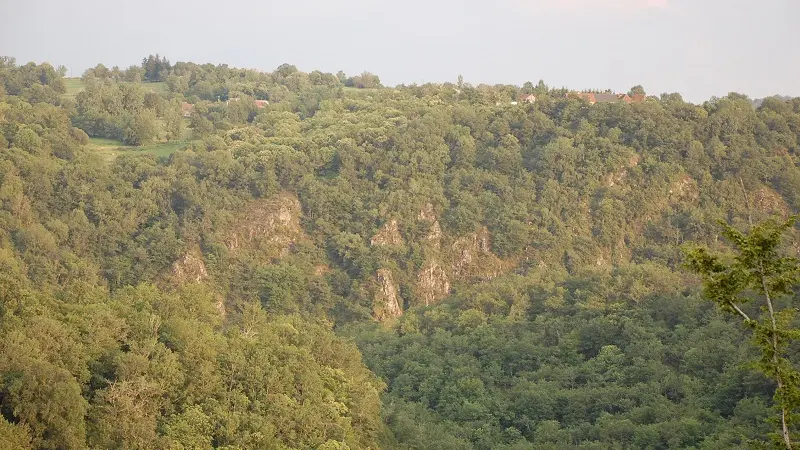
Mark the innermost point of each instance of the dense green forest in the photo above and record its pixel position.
(317, 261)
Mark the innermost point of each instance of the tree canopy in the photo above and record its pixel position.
(324, 262)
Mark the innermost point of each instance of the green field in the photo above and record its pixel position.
(74, 85)
(111, 148)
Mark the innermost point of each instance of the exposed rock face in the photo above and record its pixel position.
(321, 270)
(619, 176)
(473, 257)
(427, 213)
(268, 226)
(389, 235)
(685, 188)
(190, 268)
(616, 178)
(768, 201)
(386, 304)
(483, 241)
(220, 305)
(434, 234)
(465, 254)
(432, 283)
(601, 261)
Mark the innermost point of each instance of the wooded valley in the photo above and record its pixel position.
(194, 256)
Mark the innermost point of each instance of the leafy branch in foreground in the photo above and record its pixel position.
(760, 274)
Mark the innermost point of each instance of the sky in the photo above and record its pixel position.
(698, 48)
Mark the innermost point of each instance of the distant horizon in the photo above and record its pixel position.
(698, 49)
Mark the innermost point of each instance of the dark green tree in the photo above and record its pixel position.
(638, 89)
(156, 68)
(140, 128)
(173, 123)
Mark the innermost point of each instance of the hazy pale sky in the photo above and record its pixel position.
(699, 48)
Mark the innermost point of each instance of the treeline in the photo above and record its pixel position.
(523, 262)
(31, 82)
(220, 83)
(154, 68)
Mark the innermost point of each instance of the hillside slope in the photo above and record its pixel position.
(510, 273)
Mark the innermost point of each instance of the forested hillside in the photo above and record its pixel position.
(314, 260)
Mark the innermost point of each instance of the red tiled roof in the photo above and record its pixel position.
(593, 97)
(638, 98)
(588, 96)
(606, 98)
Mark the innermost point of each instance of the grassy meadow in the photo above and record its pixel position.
(111, 148)
(74, 85)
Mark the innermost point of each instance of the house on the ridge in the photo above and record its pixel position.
(259, 103)
(607, 97)
(524, 98)
(638, 98)
(186, 109)
(624, 98)
(588, 96)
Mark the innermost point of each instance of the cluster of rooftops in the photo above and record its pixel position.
(592, 97)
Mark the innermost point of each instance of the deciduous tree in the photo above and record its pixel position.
(760, 274)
